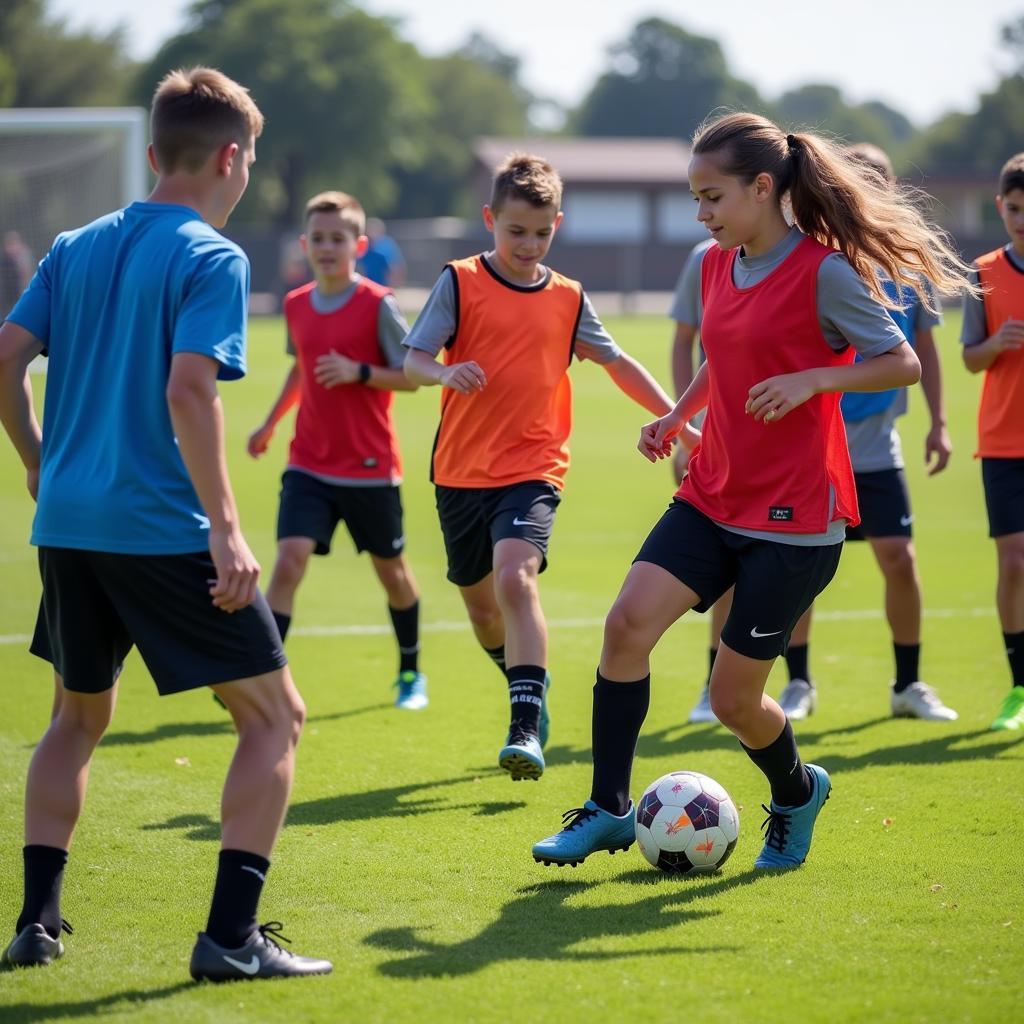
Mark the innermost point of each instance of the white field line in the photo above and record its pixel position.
(380, 629)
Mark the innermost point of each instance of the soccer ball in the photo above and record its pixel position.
(686, 821)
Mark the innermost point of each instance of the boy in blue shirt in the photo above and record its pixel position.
(141, 312)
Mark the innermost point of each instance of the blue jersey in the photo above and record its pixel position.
(112, 303)
(380, 260)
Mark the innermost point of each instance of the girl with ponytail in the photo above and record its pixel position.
(770, 490)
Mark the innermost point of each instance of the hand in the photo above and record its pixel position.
(656, 438)
(333, 369)
(773, 398)
(237, 570)
(937, 443)
(1009, 337)
(463, 377)
(259, 440)
(32, 482)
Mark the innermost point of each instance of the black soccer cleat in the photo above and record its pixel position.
(260, 957)
(33, 947)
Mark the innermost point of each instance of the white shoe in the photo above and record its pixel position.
(919, 700)
(798, 699)
(702, 709)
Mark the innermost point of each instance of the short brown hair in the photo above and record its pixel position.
(529, 177)
(352, 213)
(1012, 174)
(873, 157)
(195, 112)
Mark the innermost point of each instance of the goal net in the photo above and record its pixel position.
(61, 168)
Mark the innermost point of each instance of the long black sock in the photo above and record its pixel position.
(407, 632)
(619, 713)
(526, 691)
(1015, 655)
(712, 654)
(283, 622)
(786, 774)
(796, 662)
(908, 661)
(497, 655)
(236, 894)
(44, 874)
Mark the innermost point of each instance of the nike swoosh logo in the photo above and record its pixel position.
(250, 968)
(398, 542)
(755, 633)
(906, 520)
(523, 522)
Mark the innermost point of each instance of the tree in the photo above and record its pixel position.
(664, 81)
(343, 96)
(43, 64)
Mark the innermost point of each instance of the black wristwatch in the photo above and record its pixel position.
(364, 372)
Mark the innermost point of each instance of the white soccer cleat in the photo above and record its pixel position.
(798, 699)
(919, 700)
(702, 712)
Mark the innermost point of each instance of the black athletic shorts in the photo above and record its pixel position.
(312, 508)
(1004, 495)
(474, 519)
(775, 583)
(97, 605)
(884, 505)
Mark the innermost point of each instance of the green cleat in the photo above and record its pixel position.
(1011, 714)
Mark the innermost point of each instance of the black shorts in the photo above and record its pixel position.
(97, 605)
(474, 519)
(312, 508)
(884, 505)
(775, 583)
(1004, 495)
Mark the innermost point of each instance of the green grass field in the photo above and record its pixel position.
(406, 855)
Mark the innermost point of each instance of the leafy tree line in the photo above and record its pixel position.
(348, 100)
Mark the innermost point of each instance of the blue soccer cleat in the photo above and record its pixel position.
(587, 829)
(521, 756)
(788, 830)
(412, 691)
(544, 728)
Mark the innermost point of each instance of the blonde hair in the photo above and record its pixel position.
(197, 111)
(352, 214)
(842, 204)
(529, 177)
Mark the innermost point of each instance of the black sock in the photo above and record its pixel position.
(407, 632)
(712, 654)
(497, 655)
(619, 713)
(44, 873)
(1015, 655)
(236, 894)
(908, 661)
(796, 662)
(786, 774)
(526, 691)
(283, 622)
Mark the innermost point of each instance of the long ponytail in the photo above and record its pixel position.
(842, 204)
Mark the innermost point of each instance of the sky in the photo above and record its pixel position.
(922, 58)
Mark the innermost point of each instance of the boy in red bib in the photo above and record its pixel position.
(346, 334)
(993, 342)
(770, 489)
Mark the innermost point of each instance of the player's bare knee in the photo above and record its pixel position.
(515, 584)
(88, 715)
(731, 708)
(623, 629)
(291, 563)
(1011, 559)
(897, 561)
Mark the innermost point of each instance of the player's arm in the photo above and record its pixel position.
(635, 381)
(291, 389)
(18, 348)
(656, 438)
(937, 443)
(682, 357)
(198, 419)
(980, 349)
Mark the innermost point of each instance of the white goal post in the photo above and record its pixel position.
(61, 168)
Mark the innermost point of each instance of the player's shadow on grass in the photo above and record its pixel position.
(26, 1013)
(541, 923)
(390, 803)
(175, 730)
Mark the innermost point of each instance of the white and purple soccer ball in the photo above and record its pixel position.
(686, 821)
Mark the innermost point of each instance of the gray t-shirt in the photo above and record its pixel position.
(391, 325)
(437, 321)
(687, 305)
(847, 315)
(975, 327)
